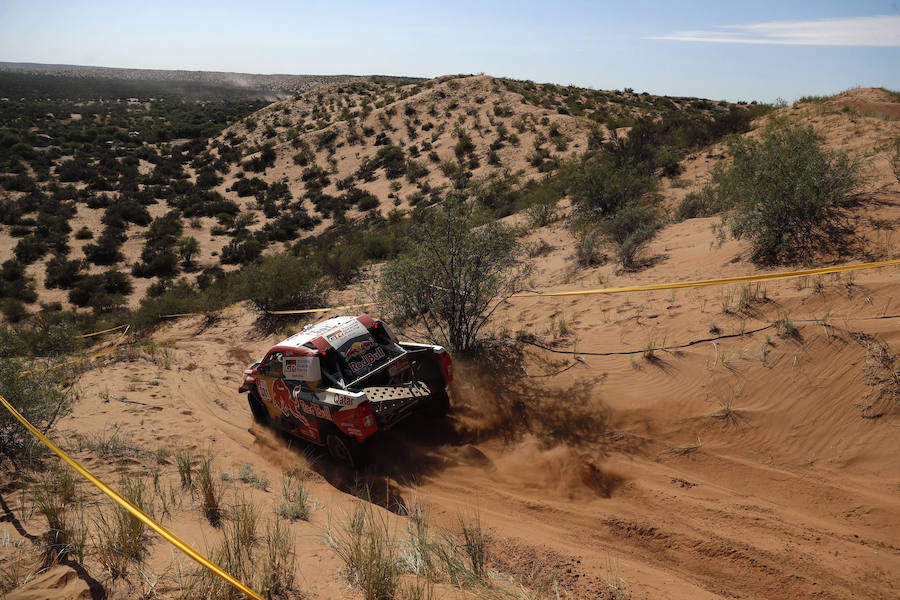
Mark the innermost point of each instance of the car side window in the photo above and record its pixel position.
(272, 367)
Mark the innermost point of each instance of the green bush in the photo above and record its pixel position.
(601, 186)
(630, 230)
(38, 397)
(453, 275)
(788, 194)
(283, 282)
(705, 203)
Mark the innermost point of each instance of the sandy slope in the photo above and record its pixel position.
(574, 473)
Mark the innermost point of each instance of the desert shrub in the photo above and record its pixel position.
(630, 230)
(62, 273)
(542, 212)
(105, 251)
(370, 553)
(601, 186)
(84, 234)
(590, 245)
(13, 309)
(393, 159)
(29, 249)
(39, 397)
(464, 144)
(101, 292)
(158, 258)
(705, 203)
(452, 275)
(283, 282)
(415, 170)
(14, 284)
(788, 194)
(241, 251)
(207, 178)
(262, 161)
(248, 187)
(895, 158)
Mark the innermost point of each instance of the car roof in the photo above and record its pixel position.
(313, 331)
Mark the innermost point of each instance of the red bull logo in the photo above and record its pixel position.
(357, 349)
(362, 358)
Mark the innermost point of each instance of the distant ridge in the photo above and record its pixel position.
(284, 83)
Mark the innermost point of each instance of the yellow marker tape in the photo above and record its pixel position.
(116, 328)
(115, 345)
(705, 282)
(316, 310)
(618, 290)
(199, 314)
(134, 510)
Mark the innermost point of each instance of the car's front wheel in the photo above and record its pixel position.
(257, 408)
(345, 450)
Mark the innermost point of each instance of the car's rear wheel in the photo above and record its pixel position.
(345, 450)
(259, 410)
(438, 404)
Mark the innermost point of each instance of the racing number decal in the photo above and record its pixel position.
(262, 385)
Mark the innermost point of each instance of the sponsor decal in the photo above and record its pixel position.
(302, 368)
(315, 409)
(282, 400)
(349, 330)
(360, 358)
(339, 399)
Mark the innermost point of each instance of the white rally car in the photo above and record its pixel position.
(338, 382)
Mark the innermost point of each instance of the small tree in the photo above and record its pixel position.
(188, 247)
(788, 194)
(453, 275)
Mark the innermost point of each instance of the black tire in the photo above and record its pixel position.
(346, 450)
(438, 404)
(259, 410)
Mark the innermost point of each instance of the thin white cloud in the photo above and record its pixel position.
(854, 31)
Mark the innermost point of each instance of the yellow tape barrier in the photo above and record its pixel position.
(115, 345)
(317, 310)
(705, 282)
(87, 335)
(134, 510)
(618, 290)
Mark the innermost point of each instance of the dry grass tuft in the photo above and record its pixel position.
(882, 371)
(270, 571)
(370, 552)
(56, 495)
(120, 538)
(297, 502)
(210, 492)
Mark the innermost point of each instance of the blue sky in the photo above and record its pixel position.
(721, 50)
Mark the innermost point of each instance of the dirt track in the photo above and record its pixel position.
(574, 475)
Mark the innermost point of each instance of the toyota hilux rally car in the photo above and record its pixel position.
(338, 382)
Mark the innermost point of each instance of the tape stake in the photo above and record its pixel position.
(131, 508)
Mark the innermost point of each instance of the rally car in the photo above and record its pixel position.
(338, 382)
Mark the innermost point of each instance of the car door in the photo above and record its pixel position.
(265, 379)
(276, 392)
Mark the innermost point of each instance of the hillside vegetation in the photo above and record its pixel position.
(109, 199)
